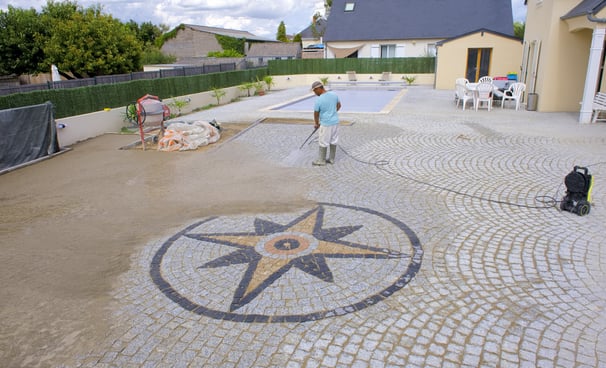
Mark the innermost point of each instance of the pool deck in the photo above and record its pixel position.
(432, 241)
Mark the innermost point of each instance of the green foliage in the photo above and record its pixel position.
(269, 81)
(20, 45)
(82, 41)
(152, 55)
(297, 38)
(410, 79)
(246, 87)
(225, 54)
(77, 101)
(258, 86)
(231, 43)
(412, 65)
(324, 80)
(518, 29)
(169, 35)
(281, 34)
(218, 93)
(103, 46)
(179, 104)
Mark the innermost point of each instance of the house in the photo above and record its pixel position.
(563, 54)
(191, 41)
(312, 39)
(394, 28)
(261, 52)
(476, 54)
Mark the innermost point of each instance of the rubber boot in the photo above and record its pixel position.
(321, 161)
(332, 154)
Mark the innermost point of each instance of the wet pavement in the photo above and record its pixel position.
(435, 240)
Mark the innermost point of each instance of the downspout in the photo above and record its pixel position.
(593, 19)
(593, 69)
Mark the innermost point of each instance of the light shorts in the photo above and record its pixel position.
(328, 135)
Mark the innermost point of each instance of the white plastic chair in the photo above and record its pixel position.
(463, 94)
(514, 92)
(462, 81)
(485, 79)
(483, 94)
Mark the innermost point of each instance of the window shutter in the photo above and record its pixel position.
(375, 51)
(400, 50)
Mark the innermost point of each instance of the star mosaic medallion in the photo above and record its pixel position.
(326, 261)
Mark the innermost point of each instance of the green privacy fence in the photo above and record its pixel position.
(77, 101)
(363, 65)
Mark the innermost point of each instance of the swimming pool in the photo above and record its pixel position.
(352, 100)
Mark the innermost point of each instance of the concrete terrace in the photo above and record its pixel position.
(433, 241)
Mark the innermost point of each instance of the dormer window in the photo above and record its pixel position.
(349, 7)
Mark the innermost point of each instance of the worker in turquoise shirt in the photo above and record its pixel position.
(326, 118)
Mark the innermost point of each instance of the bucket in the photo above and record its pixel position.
(531, 103)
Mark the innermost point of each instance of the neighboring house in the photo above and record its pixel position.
(314, 33)
(476, 54)
(312, 39)
(260, 53)
(412, 28)
(193, 41)
(563, 54)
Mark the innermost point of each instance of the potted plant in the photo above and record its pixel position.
(246, 87)
(259, 88)
(410, 79)
(269, 81)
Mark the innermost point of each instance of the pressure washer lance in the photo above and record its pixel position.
(312, 133)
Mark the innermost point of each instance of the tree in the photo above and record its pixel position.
(281, 35)
(91, 44)
(20, 41)
(518, 29)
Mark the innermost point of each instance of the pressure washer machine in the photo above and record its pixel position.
(579, 184)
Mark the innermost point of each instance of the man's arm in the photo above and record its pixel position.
(316, 119)
(338, 105)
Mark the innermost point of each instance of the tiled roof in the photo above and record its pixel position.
(228, 32)
(308, 32)
(585, 7)
(277, 49)
(415, 19)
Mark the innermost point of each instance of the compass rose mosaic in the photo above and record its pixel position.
(326, 261)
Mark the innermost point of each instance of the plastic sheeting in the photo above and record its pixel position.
(26, 134)
(188, 136)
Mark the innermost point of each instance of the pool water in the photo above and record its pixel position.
(352, 100)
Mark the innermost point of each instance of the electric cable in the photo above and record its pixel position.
(548, 201)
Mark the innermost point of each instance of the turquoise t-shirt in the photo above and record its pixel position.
(326, 104)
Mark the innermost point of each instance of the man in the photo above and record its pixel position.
(326, 118)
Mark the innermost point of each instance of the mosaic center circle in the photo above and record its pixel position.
(324, 261)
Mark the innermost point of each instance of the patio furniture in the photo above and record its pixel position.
(461, 81)
(385, 77)
(483, 94)
(485, 79)
(463, 94)
(514, 92)
(599, 105)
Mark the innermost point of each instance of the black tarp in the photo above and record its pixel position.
(26, 134)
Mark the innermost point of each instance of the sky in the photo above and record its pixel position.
(259, 17)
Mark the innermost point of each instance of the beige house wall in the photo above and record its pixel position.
(452, 57)
(564, 55)
(412, 48)
(191, 43)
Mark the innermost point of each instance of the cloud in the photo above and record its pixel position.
(260, 17)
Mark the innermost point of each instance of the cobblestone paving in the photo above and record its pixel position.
(435, 243)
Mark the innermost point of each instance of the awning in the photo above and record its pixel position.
(343, 52)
